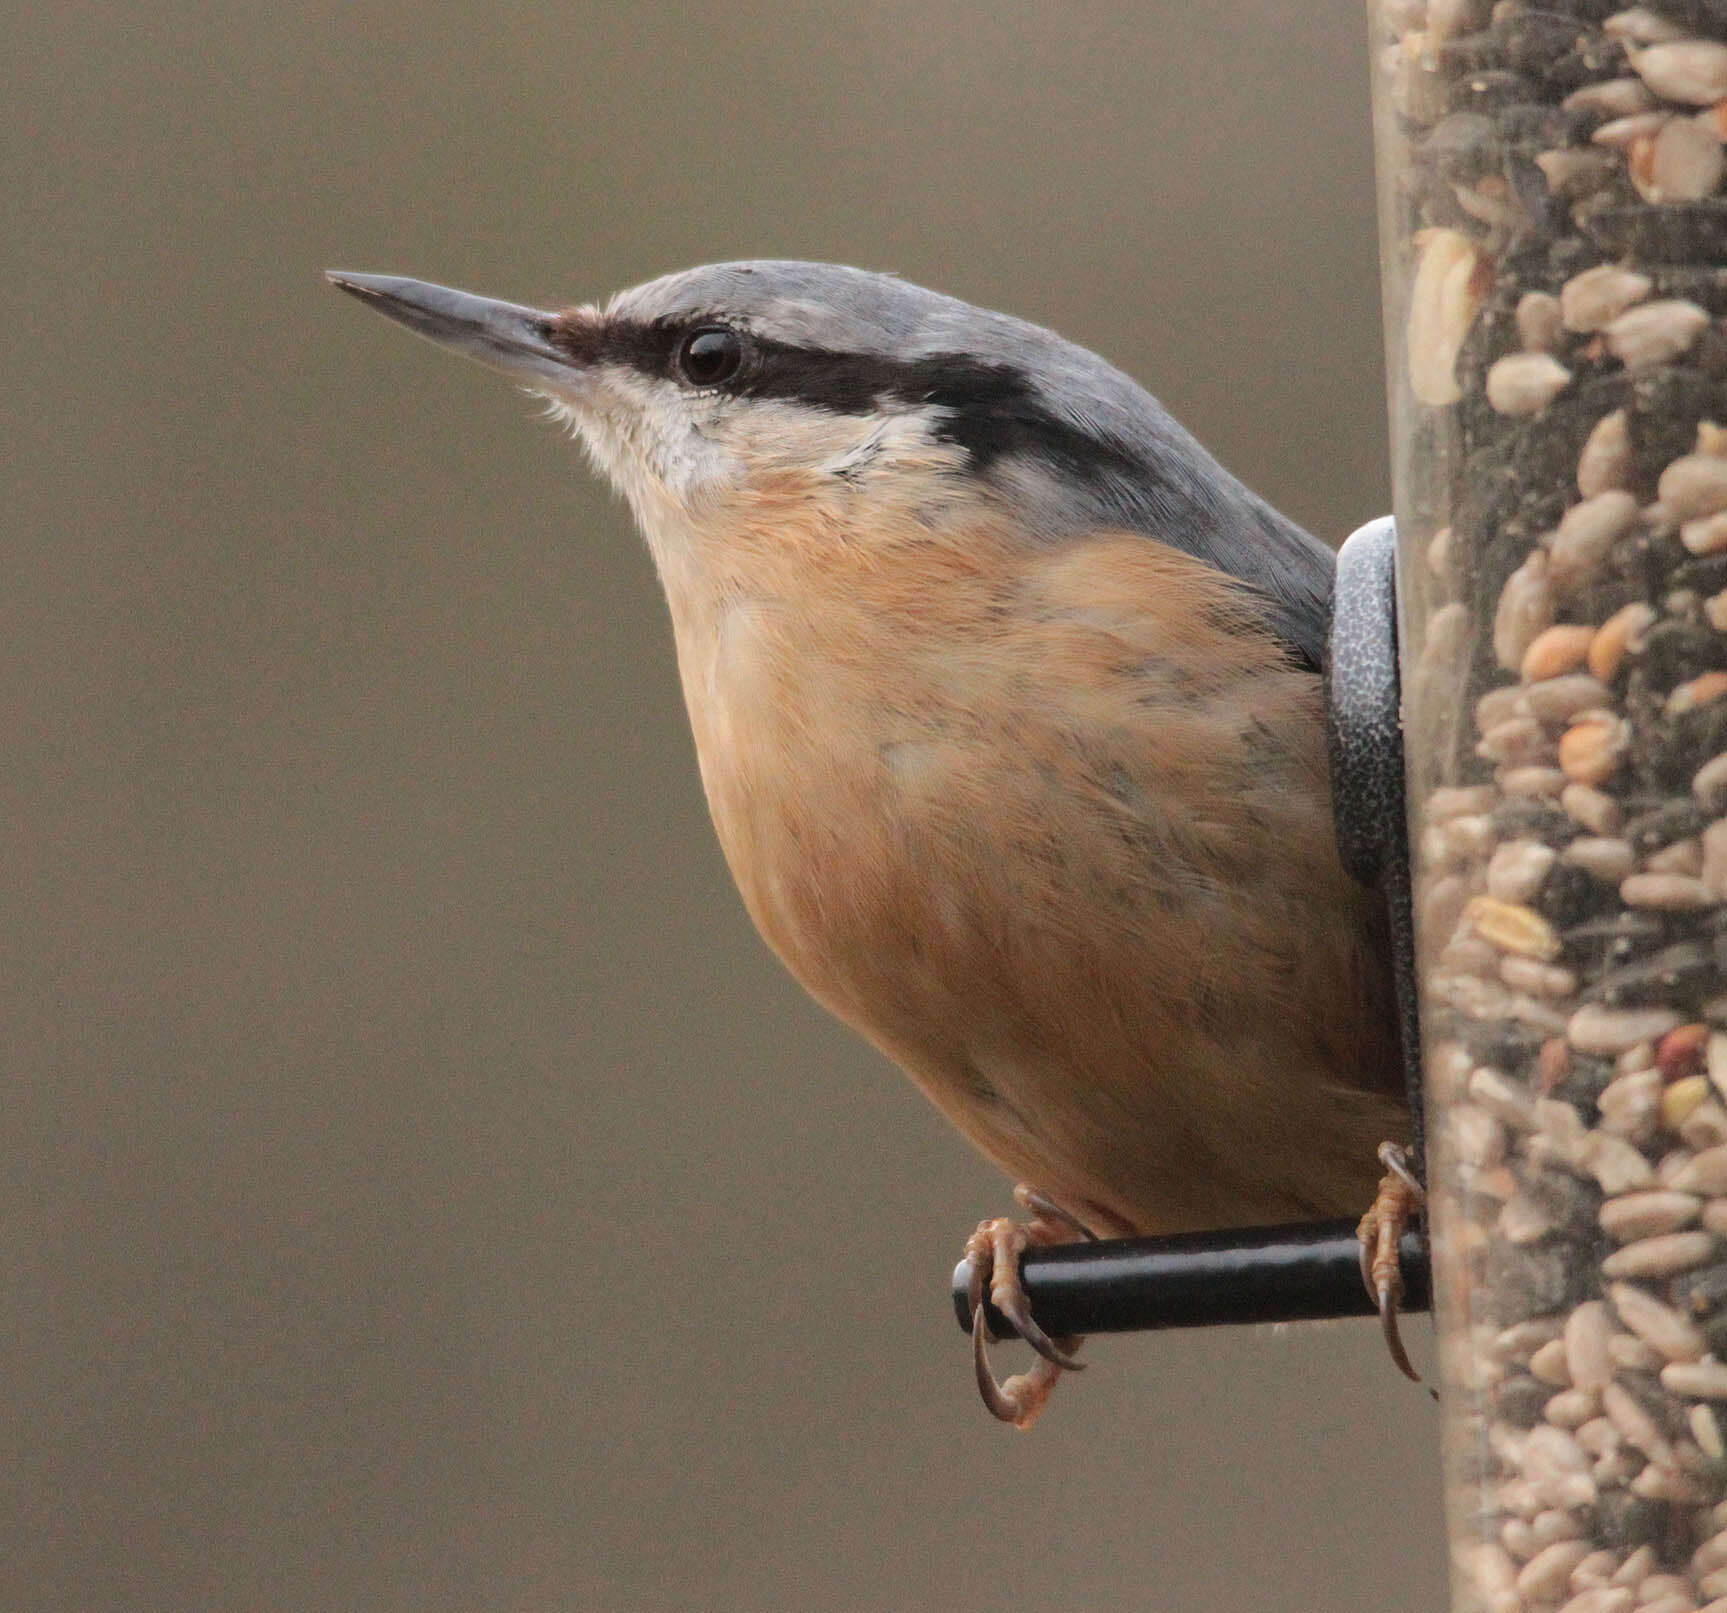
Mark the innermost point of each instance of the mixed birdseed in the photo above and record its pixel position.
(1558, 265)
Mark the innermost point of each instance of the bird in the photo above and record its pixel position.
(1007, 703)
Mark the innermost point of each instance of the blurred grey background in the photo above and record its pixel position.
(422, 1190)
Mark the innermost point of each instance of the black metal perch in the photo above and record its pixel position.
(1302, 1273)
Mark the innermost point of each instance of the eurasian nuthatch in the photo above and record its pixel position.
(1007, 702)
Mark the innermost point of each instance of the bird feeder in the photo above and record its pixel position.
(1555, 252)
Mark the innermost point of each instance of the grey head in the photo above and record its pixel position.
(710, 374)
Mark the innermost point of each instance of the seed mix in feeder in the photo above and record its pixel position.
(1557, 264)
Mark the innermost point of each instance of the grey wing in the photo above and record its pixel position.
(1103, 451)
(1290, 568)
(1176, 492)
(1182, 497)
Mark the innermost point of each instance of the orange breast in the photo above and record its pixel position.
(1051, 827)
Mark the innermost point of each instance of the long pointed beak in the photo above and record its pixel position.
(501, 335)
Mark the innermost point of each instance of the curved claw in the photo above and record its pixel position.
(1012, 1305)
(1389, 1295)
(1019, 1401)
(998, 1404)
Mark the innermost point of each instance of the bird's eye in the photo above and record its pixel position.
(710, 356)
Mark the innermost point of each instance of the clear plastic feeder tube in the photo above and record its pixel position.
(1554, 233)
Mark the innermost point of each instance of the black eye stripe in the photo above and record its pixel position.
(990, 410)
(846, 383)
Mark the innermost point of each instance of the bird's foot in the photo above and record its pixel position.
(992, 1257)
(1399, 1199)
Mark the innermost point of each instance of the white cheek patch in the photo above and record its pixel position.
(770, 436)
(649, 438)
(676, 454)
